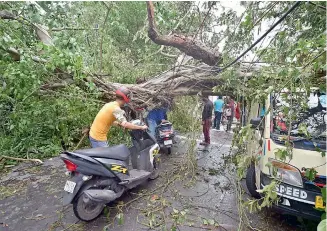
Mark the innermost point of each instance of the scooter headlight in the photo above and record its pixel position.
(286, 173)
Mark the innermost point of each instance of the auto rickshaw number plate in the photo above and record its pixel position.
(319, 203)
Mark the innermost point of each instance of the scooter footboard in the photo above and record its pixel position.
(144, 162)
(134, 157)
(146, 158)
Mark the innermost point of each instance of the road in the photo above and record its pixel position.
(203, 199)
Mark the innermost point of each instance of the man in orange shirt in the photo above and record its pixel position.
(110, 114)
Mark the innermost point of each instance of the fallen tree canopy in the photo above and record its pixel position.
(180, 80)
(186, 77)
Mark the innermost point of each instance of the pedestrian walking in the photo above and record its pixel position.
(206, 120)
(218, 106)
(230, 115)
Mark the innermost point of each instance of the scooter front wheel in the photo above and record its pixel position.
(156, 165)
(154, 175)
(86, 209)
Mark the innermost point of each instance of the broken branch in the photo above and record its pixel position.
(188, 45)
(21, 159)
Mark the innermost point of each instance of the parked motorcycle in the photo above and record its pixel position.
(165, 136)
(99, 176)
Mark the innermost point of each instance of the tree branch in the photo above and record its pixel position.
(21, 159)
(188, 45)
(55, 86)
(101, 39)
(7, 15)
(14, 53)
(71, 28)
(40, 30)
(168, 55)
(106, 5)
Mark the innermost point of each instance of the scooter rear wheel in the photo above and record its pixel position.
(85, 209)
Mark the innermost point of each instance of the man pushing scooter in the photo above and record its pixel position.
(110, 114)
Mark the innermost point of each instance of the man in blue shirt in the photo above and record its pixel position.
(155, 117)
(218, 106)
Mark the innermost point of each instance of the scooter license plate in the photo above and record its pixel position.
(319, 204)
(69, 186)
(167, 142)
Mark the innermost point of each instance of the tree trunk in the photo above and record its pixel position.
(188, 45)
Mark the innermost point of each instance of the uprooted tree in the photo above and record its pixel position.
(51, 89)
(186, 77)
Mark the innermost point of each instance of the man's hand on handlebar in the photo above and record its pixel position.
(131, 126)
(144, 127)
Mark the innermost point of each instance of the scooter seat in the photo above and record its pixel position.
(118, 152)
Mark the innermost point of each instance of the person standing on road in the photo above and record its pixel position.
(238, 111)
(155, 117)
(230, 117)
(218, 105)
(206, 120)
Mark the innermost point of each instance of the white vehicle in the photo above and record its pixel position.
(298, 195)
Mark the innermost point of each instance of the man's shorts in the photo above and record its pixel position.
(97, 143)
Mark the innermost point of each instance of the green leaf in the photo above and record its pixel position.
(303, 129)
(323, 216)
(204, 221)
(211, 222)
(322, 225)
(323, 153)
(120, 217)
(310, 173)
(281, 154)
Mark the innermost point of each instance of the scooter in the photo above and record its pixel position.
(165, 136)
(99, 176)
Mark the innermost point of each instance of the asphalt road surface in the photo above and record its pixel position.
(207, 199)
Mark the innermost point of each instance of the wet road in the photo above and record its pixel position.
(207, 199)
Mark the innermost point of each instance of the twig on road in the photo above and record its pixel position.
(21, 159)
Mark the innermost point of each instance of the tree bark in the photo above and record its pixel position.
(7, 15)
(188, 45)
